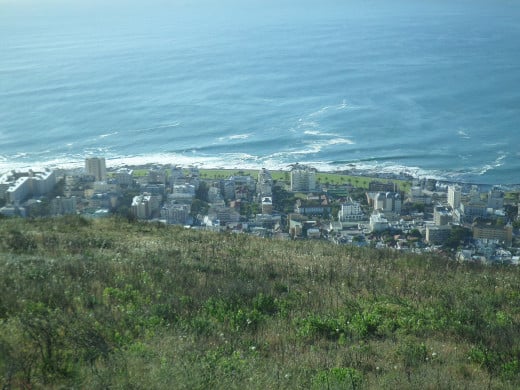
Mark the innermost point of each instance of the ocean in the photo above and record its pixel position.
(430, 89)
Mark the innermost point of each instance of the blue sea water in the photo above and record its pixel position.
(432, 89)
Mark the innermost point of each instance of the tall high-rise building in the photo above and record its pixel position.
(495, 199)
(303, 178)
(454, 195)
(95, 166)
(264, 184)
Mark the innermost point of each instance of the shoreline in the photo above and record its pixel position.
(355, 172)
(405, 174)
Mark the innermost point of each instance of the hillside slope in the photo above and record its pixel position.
(108, 303)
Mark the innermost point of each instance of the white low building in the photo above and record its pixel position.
(351, 211)
(18, 186)
(378, 222)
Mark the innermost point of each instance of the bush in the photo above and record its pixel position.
(338, 378)
(18, 241)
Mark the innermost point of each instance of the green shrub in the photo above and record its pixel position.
(316, 326)
(338, 378)
(18, 241)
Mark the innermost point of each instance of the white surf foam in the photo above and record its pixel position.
(108, 134)
(319, 133)
(235, 137)
(275, 161)
(463, 134)
(498, 162)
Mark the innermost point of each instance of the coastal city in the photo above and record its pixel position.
(397, 212)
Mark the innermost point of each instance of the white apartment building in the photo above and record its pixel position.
(20, 186)
(19, 190)
(303, 178)
(350, 211)
(388, 202)
(378, 222)
(42, 182)
(454, 196)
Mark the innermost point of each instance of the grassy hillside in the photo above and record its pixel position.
(99, 304)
